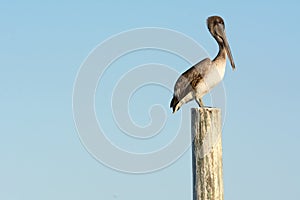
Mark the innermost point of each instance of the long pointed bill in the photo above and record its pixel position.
(228, 51)
(221, 33)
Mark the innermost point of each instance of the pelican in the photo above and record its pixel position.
(203, 76)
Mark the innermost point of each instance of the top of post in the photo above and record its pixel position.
(201, 109)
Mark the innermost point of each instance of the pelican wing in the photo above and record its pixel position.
(188, 81)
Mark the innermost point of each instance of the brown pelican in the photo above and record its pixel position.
(203, 76)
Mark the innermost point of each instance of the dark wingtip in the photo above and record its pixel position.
(173, 103)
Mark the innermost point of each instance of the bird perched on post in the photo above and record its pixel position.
(203, 76)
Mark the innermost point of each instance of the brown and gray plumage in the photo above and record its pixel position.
(202, 77)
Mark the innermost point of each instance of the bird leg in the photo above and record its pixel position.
(200, 102)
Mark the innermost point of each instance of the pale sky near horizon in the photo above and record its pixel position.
(42, 46)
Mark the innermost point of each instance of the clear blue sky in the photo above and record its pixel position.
(42, 46)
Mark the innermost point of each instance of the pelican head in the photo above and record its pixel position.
(216, 27)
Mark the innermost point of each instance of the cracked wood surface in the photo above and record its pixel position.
(207, 154)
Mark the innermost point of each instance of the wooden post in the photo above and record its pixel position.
(207, 154)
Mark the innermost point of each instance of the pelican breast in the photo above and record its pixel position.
(212, 77)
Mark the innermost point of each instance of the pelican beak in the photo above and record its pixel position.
(228, 51)
(221, 32)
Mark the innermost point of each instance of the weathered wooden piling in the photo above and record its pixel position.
(207, 154)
